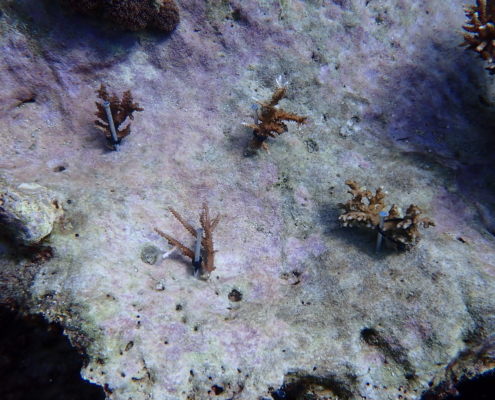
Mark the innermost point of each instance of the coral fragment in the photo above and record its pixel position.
(272, 119)
(208, 226)
(121, 110)
(480, 31)
(403, 232)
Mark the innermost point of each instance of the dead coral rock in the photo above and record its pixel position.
(27, 212)
(403, 232)
(132, 14)
(480, 31)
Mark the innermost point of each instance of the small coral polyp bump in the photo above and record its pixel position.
(401, 232)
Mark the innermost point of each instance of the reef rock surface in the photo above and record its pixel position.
(28, 212)
(295, 299)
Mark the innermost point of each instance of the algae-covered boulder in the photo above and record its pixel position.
(27, 212)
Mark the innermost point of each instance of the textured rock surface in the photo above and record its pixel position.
(27, 212)
(391, 100)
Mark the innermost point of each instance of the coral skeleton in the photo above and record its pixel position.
(206, 263)
(363, 210)
(270, 121)
(112, 124)
(480, 31)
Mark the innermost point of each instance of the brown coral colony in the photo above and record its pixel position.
(480, 30)
(403, 232)
(120, 111)
(271, 120)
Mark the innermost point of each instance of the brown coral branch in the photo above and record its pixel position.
(184, 223)
(272, 120)
(279, 94)
(207, 241)
(173, 242)
(480, 31)
(208, 226)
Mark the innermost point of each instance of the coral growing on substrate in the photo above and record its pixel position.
(271, 119)
(480, 30)
(120, 111)
(402, 232)
(207, 226)
(132, 14)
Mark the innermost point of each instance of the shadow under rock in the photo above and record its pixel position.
(479, 387)
(179, 258)
(440, 106)
(37, 361)
(362, 239)
(434, 106)
(59, 31)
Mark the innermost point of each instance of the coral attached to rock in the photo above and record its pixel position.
(400, 231)
(120, 111)
(480, 30)
(132, 14)
(208, 226)
(271, 119)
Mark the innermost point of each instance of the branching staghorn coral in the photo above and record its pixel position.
(132, 14)
(403, 232)
(480, 29)
(119, 112)
(271, 120)
(206, 233)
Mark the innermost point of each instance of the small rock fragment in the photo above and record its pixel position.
(27, 212)
(150, 254)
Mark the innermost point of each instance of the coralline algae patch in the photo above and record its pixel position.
(185, 331)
